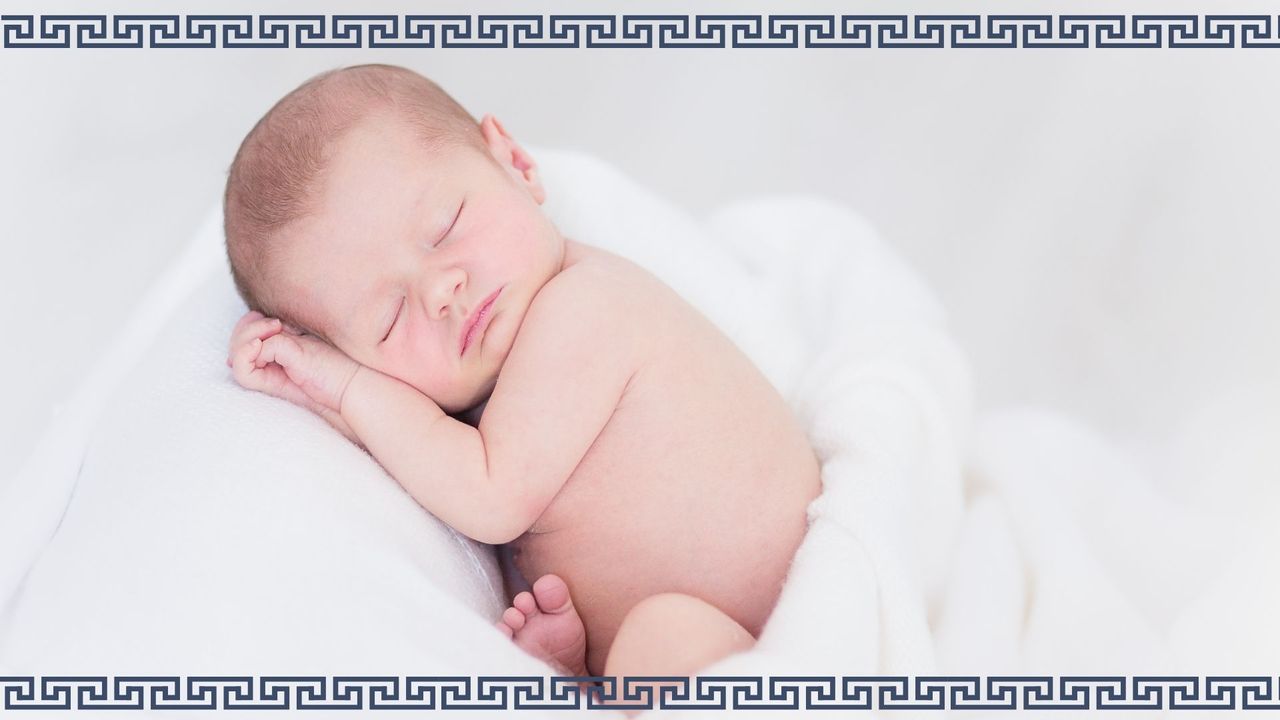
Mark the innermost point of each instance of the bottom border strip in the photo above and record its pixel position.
(764, 692)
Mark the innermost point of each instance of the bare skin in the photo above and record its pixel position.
(698, 483)
(637, 462)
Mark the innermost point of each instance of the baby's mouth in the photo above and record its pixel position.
(475, 322)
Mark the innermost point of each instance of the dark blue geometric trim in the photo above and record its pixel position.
(500, 692)
(639, 31)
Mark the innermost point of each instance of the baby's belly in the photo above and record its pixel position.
(703, 499)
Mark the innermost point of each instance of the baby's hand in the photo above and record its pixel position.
(304, 370)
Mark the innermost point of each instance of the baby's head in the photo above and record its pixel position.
(369, 209)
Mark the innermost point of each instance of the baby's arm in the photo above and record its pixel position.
(574, 355)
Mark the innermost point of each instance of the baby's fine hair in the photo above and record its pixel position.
(275, 177)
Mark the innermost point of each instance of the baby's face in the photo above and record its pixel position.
(422, 263)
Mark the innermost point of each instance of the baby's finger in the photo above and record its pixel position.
(280, 349)
(259, 329)
(262, 328)
(245, 319)
(243, 362)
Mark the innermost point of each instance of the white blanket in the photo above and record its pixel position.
(1030, 545)
(1020, 543)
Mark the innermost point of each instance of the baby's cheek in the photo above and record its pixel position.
(422, 371)
(401, 368)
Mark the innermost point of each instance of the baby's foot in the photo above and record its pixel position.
(545, 625)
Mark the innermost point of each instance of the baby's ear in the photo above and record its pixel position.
(511, 157)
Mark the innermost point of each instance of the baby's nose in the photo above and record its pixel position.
(445, 292)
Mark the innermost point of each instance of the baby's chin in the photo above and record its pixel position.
(470, 414)
(463, 394)
(464, 403)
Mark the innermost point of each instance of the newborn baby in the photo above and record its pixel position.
(525, 388)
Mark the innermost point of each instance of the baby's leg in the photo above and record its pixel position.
(673, 634)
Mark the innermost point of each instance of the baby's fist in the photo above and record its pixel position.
(320, 370)
(246, 341)
(298, 368)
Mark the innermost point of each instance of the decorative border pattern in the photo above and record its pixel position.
(640, 31)
(1203, 693)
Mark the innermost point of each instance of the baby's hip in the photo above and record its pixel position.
(611, 568)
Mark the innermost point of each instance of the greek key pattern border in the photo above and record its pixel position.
(639, 31)
(871, 693)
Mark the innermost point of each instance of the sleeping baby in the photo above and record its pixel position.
(526, 388)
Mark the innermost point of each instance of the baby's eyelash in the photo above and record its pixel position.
(394, 320)
(455, 222)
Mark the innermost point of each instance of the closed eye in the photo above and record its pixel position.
(451, 224)
(394, 320)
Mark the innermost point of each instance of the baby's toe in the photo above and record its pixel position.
(525, 603)
(505, 628)
(513, 618)
(551, 593)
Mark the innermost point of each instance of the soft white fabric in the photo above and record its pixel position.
(1028, 545)
(1019, 543)
(214, 530)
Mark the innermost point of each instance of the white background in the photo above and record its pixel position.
(1100, 224)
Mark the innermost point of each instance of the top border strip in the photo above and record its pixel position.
(638, 31)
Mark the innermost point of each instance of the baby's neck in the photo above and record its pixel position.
(573, 252)
(472, 416)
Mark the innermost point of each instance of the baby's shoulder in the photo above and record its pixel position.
(598, 278)
(598, 299)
